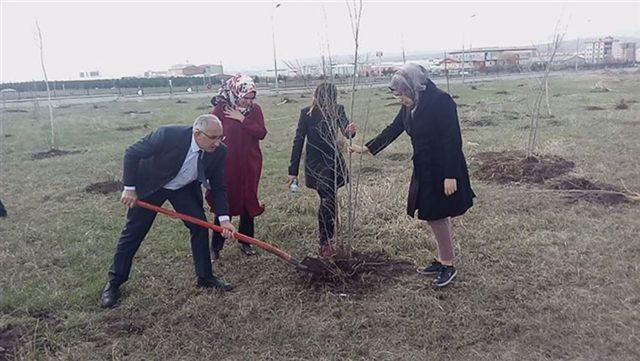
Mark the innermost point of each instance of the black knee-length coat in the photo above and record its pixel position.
(325, 168)
(437, 154)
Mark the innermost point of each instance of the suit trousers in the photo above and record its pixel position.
(139, 220)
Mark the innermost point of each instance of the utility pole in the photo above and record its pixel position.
(273, 38)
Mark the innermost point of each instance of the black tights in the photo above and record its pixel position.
(247, 227)
(326, 214)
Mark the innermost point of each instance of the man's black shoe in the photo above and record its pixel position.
(215, 282)
(247, 249)
(432, 269)
(109, 295)
(446, 275)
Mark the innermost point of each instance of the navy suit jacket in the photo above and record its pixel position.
(156, 159)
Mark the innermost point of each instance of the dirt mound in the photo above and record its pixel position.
(583, 189)
(203, 107)
(593, 107)
(502, 92)
(286, 100)
(126, 129)
(180, 101)
(105, 187)
(622, 105)
(16, 111)
(52, 153)
(482, 121)
(137, 112)
(399, 156)
(9, 342)
(516, 167)
(370, 170)
(125, 326)
(363, 271)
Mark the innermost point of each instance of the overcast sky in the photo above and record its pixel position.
(127, 38)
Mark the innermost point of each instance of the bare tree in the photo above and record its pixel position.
(46, 81)
(542, 90)
(355, 15)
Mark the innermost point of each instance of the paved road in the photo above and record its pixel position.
(25, 103)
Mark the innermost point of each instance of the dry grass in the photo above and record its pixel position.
(539, 278)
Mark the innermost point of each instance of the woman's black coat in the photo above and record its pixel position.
(321, 169)
(437, 154)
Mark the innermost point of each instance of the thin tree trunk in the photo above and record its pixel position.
(355, 27)
(46, 81)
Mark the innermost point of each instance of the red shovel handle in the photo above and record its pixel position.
(239, 236)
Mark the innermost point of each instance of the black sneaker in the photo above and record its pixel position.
(433, 269)
(446, 275)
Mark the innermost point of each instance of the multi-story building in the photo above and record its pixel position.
(492, 56)
(624, 52)
(599, 50)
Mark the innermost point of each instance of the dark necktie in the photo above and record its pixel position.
(201, 176)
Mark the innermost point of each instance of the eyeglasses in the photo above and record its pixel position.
(215, 139)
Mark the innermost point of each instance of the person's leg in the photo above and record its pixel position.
(326, 220)
(139, 221)
(444, 239)
(247, 227)
(185, 200)
(3, 211)
(217, 241)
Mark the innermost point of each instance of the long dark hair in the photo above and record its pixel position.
(325, 102)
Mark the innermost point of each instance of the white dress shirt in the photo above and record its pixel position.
(187, 173)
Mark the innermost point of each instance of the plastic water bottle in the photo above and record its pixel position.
(294, 186)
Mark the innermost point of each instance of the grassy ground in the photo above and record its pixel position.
(539, 277)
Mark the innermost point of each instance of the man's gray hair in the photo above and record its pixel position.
(206, 121)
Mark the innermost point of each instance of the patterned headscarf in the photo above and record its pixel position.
(410, 80)
(233, 90)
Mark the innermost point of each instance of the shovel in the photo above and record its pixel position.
(239, 236)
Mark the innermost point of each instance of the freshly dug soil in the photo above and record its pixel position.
(582, 189)
(622, 105)
(104, 187)
(51, 153)
(129, 128)
(9, 342)
(482, 121)
(515, 167)
(137, 112)
(362, 272)
(399, 156)
(370, 170)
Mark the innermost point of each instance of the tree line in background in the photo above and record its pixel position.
(128, 82)
(214, 81)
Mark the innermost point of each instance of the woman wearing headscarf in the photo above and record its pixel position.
(243, 125)
(325, 168)
(440, 186)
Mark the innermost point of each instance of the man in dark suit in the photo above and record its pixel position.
(171, 164)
